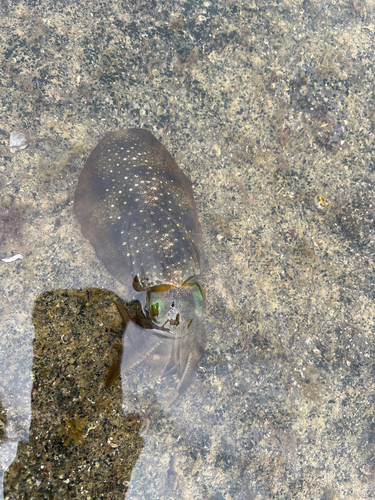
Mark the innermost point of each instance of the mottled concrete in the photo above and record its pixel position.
(269, 109)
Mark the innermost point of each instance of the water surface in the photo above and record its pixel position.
(269, 109)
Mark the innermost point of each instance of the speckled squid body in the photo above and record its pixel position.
(136, 207)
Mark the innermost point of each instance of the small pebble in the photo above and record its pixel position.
(6, 201)
(11, 259)
(17, 142)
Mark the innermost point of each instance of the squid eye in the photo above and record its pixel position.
(198, 299)
(157, 308)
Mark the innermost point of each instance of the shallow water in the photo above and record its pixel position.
(269, 109)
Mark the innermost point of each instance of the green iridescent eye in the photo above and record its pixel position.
(196, 293)
(157, 307)
(198, 298)
(155, 310)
